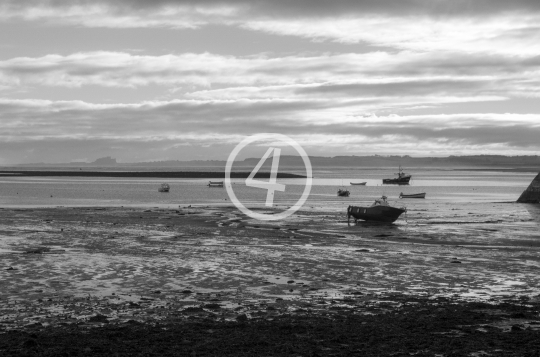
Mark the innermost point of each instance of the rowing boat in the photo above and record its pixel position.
(412, 195)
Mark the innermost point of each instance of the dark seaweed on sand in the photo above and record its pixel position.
(420, 328)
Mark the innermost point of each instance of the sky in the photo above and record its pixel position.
(145, 80)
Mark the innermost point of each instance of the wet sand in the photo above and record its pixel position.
(69, 268)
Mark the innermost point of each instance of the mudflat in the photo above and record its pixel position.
(211, 281)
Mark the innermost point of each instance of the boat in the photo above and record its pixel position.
(402, 179)
(412, 195)
(343, 193)
(164, 187)
(358, 183)
(379, 211)
(215, 183)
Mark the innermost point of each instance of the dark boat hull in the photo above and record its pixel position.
(413, 195)
(397, 181)
(343, 193)
(376, 213)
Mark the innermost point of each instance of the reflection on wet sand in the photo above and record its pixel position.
(534, 210)
(127, 263)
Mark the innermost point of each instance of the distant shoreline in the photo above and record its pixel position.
(149, 174)
(516, 169)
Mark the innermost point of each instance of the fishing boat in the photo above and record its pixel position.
(379, 211)
(215, 183)
(412, 195)
(402, 179)
(164, 187)
(358, 183)
(343, 193)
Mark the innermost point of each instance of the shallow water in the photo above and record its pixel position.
(473, 205)
(440, 185)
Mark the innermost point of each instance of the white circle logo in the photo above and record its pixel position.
(271, 186)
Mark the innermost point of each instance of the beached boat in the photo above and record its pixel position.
(379, 211)
(215, 183)
(343, 193)
(164, 188)
(358, 183)
(402, 179)
(412, 195)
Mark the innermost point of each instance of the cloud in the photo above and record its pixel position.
(398, 88)
(167, 124)
(303, 7)
(413, 56)
(114, 69)
(515, 34)
(115, 14)
(381, 72)
(342, 85)
(491, 26)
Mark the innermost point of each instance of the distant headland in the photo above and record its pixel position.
(530, 163)
(149, 174)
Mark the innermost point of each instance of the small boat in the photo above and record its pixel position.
(379, 211)
(343, 193)
(402, 179)
(412, 195)
(215, 183)
(358, 183)
(164, 187)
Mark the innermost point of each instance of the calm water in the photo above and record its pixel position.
(441, 186)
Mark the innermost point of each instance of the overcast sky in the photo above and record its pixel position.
(145, 80)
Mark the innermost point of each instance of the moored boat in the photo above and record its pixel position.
(402, 179)
(379, 211)
(412, 195)
(164, 187)
(343, 193)
(215, 183)
(358, 183)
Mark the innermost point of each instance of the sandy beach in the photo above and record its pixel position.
(97, 267)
